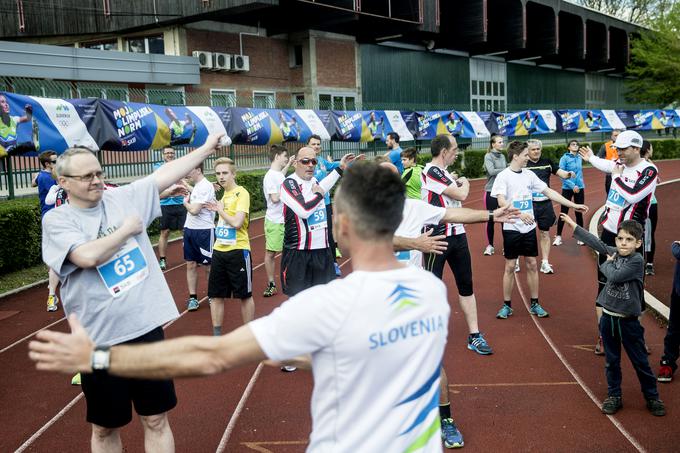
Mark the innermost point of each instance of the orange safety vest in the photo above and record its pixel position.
(612, 153)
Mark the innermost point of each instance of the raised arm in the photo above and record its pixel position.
(645, 184)
(554, 196)
(175, 170)
(466, 215)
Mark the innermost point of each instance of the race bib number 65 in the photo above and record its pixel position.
(125, 269)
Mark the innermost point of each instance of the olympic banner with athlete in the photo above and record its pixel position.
(647, 120)
(584, 121)
(370, 125)
(270, 126)
(29, 125)
(527, 122)
(463, 124)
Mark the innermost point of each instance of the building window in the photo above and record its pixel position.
(337, 102)
(164, 96)
(104, 45)
(264, 100)
(298, 100)
(487, 85)
(148, 44)
(223, 98)
(296, 56)
(595, 90)
(112, 93)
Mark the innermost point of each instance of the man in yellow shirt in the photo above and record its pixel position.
(231, 275)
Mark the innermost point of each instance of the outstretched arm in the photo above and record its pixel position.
(175, 170)
(554, 196)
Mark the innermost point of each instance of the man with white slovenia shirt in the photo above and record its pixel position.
(517, 185)
(273, 219)
(383, 326)
(307, 258)
(98, 246)
(409, 242)
(199, 231)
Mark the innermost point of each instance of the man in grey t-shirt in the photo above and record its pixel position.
(98, 246)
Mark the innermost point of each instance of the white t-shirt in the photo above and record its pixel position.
(271, 184)
(205, 219)
(517, 188)
(417, 214)
(376, 340)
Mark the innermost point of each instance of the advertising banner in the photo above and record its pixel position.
(270, 126)
(527, 122)
(584, 121)
(463, 124)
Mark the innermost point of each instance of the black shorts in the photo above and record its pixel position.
(110, 398)
(544, 214)
(516, 244)
(457, 254)
(173, 217)
(231, 275)
(302, 269)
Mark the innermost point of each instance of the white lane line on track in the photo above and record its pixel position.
(47, 425)
(241, 404)
(634, 442)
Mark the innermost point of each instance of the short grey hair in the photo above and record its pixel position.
(64, 159)
(535, 142)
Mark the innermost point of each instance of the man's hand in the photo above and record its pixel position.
(576, 189)
(462, 181)
(177, 189)
(617, 170)
(611, 257)
(132, 225)
(427, 243)
(506, 214)
(581, 208)
(66, 353)
(568, 220)
(215, 206)
(213, 141)
(572, 174)
(527, 218)
(586, 153)
(318, 189)
(349, 158)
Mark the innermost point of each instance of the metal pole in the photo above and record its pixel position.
(10, 177)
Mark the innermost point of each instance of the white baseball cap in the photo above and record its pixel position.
(628, 138)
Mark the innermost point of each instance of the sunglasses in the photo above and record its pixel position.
(89, 177)
(308, 161)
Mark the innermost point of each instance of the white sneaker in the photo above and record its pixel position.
(517, 265)
(288, 368)
(580, 243)
(546, 268)
(558, 240)
(489, 250)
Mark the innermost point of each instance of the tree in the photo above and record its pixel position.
(643, 12)
(655, 62)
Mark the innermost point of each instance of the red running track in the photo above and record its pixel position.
(539, 391)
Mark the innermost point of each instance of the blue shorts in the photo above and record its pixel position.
(198, 245)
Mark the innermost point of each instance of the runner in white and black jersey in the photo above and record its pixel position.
(544, 214)
(409, 245)
(442, 189)
(307, 258)
(633, 184)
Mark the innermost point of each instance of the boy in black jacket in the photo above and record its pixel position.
(621, 300)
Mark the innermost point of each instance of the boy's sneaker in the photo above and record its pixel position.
(75, 380)
(599, 348)
(546, 268)
(489, 250)
(162, 264)
(338, 271)
(271, 290)
(537, 310)
(649, 269)
(192, 304)
(52, 303)
(479, 344)
(504, 312)
(450, 435)
(665, 374)
(517, 265)
(656, 408)
(558, 240)
(611, 405)
(288, 368)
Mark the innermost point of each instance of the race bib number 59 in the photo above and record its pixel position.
(318, 219)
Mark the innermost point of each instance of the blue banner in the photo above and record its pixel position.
(463, 124)
(527, 122)
(647, 120)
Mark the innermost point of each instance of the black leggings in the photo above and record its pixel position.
(579, 198)
(491, 204)
(653, 218)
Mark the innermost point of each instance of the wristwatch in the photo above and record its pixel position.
(101, 357)
(490, 216)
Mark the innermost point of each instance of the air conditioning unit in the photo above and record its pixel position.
(205, 59)
(240, 63)
(221, 62)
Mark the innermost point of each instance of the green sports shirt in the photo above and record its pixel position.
(411, 177)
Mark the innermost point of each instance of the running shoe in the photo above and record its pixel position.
(599, 348)
(656, 407)
(504, 312)
(450, 435)
(537, 310)
(517, 265)
(489, 250)
(649, 269)
(271, 290)
(192, 304)
(479, 344)
(611, 405)
(665, 374)
(558, 240)
(288, 369)
(546, 268)
(580, 243)
(52, 303)
(75, 380)
(162, 264)
(338, 271)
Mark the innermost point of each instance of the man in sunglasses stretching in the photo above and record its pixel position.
(98, 246)
(307, 258)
